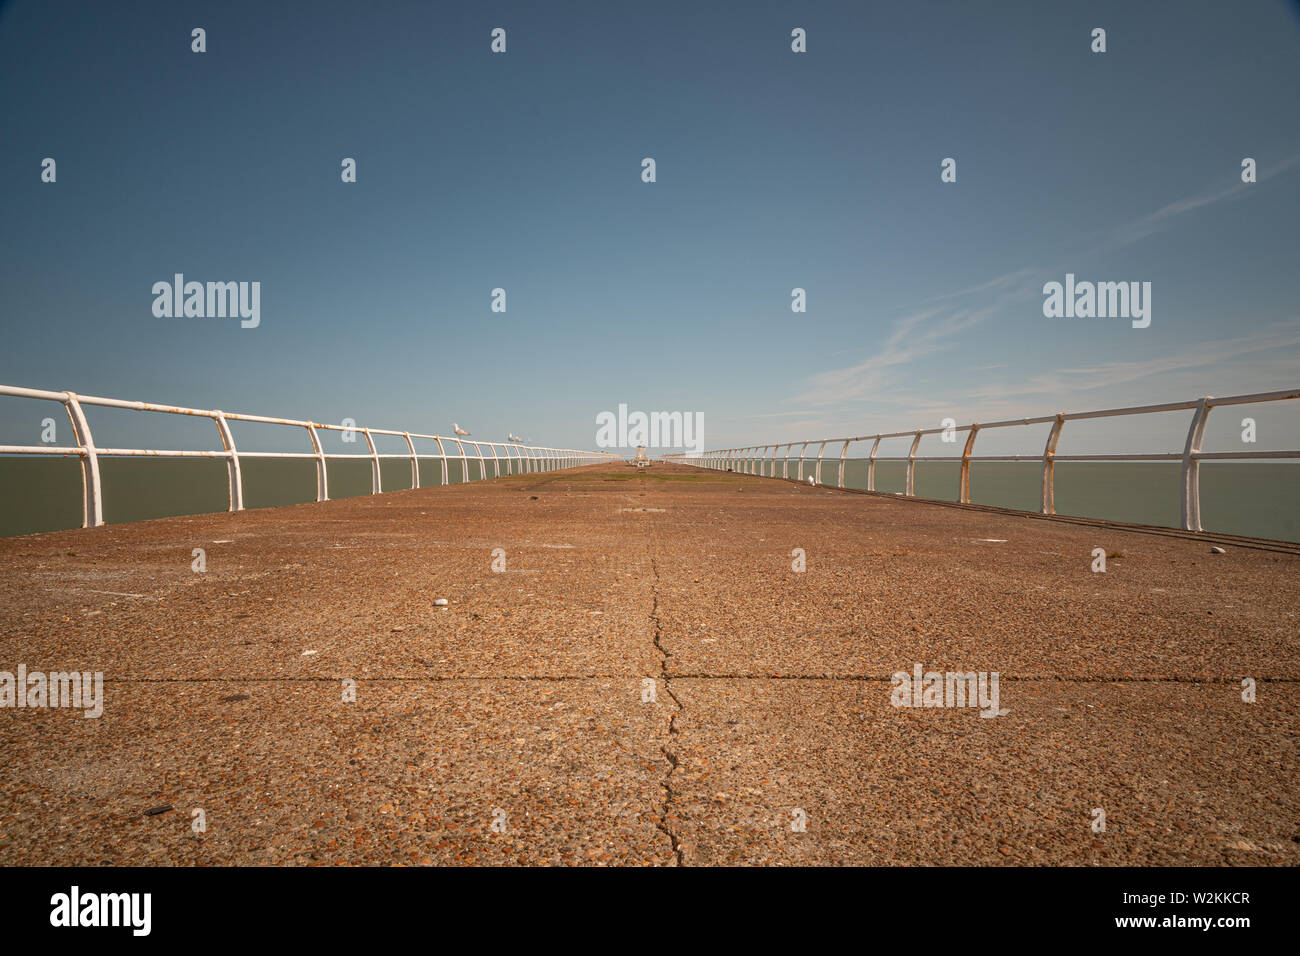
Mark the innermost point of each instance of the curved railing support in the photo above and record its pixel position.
(234, 478)
(415, 461)
(963, 482)
(911, 464)
(376, 480)
(92, 492)
(871, 465)
(1049, 465)
(322, 476)
(1191, 485)
(464, 463)
(442, 453)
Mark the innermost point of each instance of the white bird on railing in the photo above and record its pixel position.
(458, 430)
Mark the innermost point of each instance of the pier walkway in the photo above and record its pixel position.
(519, 724)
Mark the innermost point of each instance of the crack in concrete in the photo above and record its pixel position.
(665, 676)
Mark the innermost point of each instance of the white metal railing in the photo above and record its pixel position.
(753, 459)
(527, 458)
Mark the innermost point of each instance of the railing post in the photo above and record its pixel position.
(415, 461)
(802, 450)
(92, 492)
(464, 464)
(785, 467)
(496, 461)
(236, 479)
(1191, 503)
(817, 472)
(376, 484)
(443, 453)
(871, 465)
(843, 453)
(911, 463)
(1049, 465)
(963, 482)
(482, 462)
(322, 477)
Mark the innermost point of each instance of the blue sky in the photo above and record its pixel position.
(775, 170)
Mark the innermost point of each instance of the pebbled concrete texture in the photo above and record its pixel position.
(224, 689)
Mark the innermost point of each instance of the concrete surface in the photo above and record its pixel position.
(509, 727)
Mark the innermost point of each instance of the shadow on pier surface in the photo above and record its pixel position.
(514, 725)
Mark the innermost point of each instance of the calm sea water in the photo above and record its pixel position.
(1248, 498)
(1258, 499)
(44, 494)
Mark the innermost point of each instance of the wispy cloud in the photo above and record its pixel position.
(1164, 216)
(1110, 376)
(935, 327)
(916, 336)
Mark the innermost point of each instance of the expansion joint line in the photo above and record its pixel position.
(669, 750)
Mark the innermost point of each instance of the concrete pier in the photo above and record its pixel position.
(641, 676)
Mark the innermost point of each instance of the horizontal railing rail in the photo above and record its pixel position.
(754, 459)
(526, 458)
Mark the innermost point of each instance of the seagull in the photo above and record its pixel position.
(458, 430)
